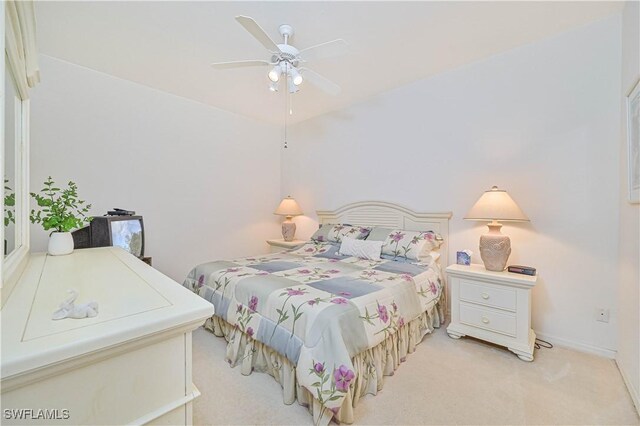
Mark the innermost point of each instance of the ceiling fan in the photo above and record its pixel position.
(288, 61)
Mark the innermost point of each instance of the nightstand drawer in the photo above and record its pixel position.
(488, 319)
(475, 292)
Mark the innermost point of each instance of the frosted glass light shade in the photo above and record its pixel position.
(288, 207)
(496, 204)
(274, 74)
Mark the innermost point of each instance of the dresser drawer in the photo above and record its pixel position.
(476, 292)
(489, 319)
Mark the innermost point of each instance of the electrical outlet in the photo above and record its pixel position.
(602, 315)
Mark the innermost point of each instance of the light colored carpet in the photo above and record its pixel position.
(445, 381)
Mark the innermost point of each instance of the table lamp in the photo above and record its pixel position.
(289, 208)
(493, 206)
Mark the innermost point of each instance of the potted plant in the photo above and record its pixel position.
(9, 205)
(61, 211)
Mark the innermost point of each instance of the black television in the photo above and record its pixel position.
(126, 232)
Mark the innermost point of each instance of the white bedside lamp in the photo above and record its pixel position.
(288, 208)
(493, 206)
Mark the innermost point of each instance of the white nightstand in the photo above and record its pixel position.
(277, 246)
(492, 306)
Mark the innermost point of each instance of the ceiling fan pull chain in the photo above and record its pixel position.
(285, 125)
(286, 107)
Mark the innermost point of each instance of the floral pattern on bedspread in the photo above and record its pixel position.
(318, 308)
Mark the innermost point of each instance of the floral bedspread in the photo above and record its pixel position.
(318, 308)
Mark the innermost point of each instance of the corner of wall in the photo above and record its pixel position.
(628, 354)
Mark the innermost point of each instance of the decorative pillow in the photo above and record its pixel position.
(360, 248)
(411, 245)
(335, 233)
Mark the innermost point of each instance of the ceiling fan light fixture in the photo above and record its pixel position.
(293, 88)
(285, 58)
(274, 74)
(296, 77)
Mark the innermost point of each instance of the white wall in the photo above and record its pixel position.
(540, 121)
(628, 356)
(206, 181)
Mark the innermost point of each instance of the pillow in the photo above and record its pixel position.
(361, 248)
(379, 233)
(322, 234)
(335, 233)
(411, 245)
(340, 231)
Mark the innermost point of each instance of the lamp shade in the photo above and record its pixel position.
(288, 207)
(496, 204)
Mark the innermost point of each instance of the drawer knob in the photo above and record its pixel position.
(485, 320)
(485, 296)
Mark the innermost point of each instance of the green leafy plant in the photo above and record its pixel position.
(59, 210)
(9, 204)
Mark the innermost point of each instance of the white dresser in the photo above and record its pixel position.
(131, 364)
(492, 306)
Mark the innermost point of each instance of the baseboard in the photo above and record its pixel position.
(582, 347)
(633, 392)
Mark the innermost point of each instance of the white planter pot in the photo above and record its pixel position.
(60, 243)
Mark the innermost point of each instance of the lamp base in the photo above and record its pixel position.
(288, 229)
(495, 248)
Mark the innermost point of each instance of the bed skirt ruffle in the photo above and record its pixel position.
(370, 366)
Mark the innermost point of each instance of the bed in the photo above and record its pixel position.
(326, 326)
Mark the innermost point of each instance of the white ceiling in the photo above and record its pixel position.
(169, 45)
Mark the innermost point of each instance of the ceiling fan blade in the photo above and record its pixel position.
(320, 81)
(325, 50)
(257, 32)
(239, 64)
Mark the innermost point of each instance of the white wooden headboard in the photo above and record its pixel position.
(389, 215)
